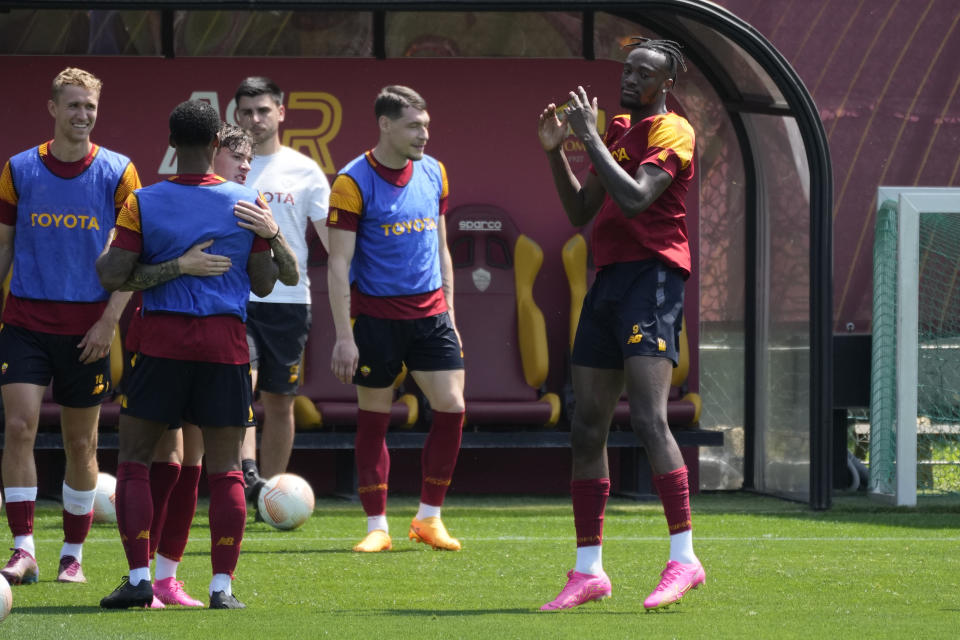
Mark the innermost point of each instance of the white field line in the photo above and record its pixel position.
(533, 539)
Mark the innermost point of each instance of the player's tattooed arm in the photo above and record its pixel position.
(257, 217)
(195, 262)
(286, 260)
(262, 271)
(114, 266)
(145, 276)
(6, 248)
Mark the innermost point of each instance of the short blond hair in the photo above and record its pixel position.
(76, 77)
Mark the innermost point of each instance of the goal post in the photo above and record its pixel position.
(896, 366)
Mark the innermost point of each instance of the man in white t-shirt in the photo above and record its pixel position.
(296, 190)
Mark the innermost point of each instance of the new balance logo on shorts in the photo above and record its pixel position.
(99, 385)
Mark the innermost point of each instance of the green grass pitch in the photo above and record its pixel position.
(774, 570)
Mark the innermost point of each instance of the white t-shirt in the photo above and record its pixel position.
(296, 190)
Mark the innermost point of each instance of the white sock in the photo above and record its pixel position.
(221, 582)
(26, 543)
(590, 560)
(377, 522)
(681, 547)
(139, 575)
(20, 494)
(427, 511)
(72, 549)
(166, 568)
(79, 503)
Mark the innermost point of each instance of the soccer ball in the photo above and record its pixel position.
(6, 598)
(103, 501)
(285, 501)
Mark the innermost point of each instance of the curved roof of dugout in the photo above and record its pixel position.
(755, 83)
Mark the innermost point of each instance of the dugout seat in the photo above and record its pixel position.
(684, 404)
(502, 328)
(324, 401)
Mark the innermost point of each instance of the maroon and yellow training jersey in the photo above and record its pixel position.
(346, 212)
(666, 141)
(64, 318)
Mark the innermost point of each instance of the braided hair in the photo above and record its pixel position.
(669, 48)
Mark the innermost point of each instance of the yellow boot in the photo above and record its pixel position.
(376, 540)
(432, 532)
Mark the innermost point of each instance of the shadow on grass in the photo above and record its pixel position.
(251, 552)
(80, 609)
(59, 609)
(274, 551)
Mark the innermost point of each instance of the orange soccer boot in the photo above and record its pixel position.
(432, 532)
(375, 541)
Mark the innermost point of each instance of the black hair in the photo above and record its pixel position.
(392, 100)
(254, 86)
(194, 123)
(669, 48)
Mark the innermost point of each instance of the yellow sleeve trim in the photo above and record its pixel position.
(129, 182)
(129, 217)
(345, 195)
(675, 133)
(7, 191)
(446, 184)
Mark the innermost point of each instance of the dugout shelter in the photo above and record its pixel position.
(763, 289)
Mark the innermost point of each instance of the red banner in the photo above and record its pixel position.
(483, 112)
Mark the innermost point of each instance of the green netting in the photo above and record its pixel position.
(938, 372)
(883, 374)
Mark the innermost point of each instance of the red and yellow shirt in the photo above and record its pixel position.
(666, 141)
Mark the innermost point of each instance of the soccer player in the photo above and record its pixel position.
(631, 317)
(193, 363)
(175, 471)
(278, 324)
(388, 240)
(58, 203)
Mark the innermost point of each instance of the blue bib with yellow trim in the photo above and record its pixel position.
(397, 243)
(173, 218)
(62, 226)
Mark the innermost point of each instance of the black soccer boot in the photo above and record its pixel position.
(220, 600)
(127, 595)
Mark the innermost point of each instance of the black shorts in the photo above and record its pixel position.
(208, 394)
(632, 309)
(277, 335)
(34, 357)
(424, 344)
